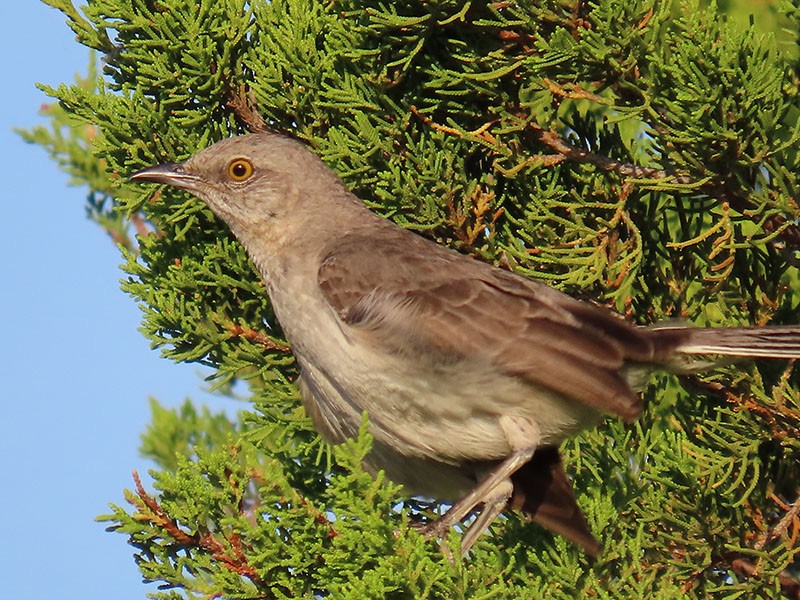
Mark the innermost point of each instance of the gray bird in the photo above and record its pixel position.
(471, 375)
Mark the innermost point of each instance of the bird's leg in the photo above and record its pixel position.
(495, 490)
(492, 507)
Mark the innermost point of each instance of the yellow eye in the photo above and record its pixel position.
(240, 169)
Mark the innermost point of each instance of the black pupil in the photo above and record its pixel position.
(239, 169)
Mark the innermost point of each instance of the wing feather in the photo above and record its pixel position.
(410, 296)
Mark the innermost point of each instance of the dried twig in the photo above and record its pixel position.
(243, 104)
(258, 337)
(791, 518)
(232, 558)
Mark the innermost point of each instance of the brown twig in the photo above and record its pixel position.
(481, 132)
(576, 154)
(243, 103)
(790, 519)
(232, 558)
(576, 93)
(258, 337)
(646, 19)
(156, 515)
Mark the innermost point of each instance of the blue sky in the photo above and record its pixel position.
(75, 374)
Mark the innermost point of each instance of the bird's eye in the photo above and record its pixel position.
(240, 169)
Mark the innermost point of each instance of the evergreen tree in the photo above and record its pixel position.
(641, 154)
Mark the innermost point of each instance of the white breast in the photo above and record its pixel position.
(447, 413)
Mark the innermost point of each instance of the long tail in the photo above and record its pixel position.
(780, 341)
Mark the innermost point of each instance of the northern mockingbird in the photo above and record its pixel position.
(471, 375)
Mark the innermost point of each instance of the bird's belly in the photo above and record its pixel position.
(448, 414)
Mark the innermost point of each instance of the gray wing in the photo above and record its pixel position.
(410, 296)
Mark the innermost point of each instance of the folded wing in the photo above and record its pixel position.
(410, 296)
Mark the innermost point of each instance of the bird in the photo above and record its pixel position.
(471, 375)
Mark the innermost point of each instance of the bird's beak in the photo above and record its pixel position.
(171, 174)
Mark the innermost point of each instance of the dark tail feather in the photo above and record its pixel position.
(543, 493)
(781, 341)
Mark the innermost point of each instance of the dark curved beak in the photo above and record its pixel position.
(169, 174)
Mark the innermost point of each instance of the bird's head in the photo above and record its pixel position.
(248, 179)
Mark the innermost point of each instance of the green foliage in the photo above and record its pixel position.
(643, 154)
